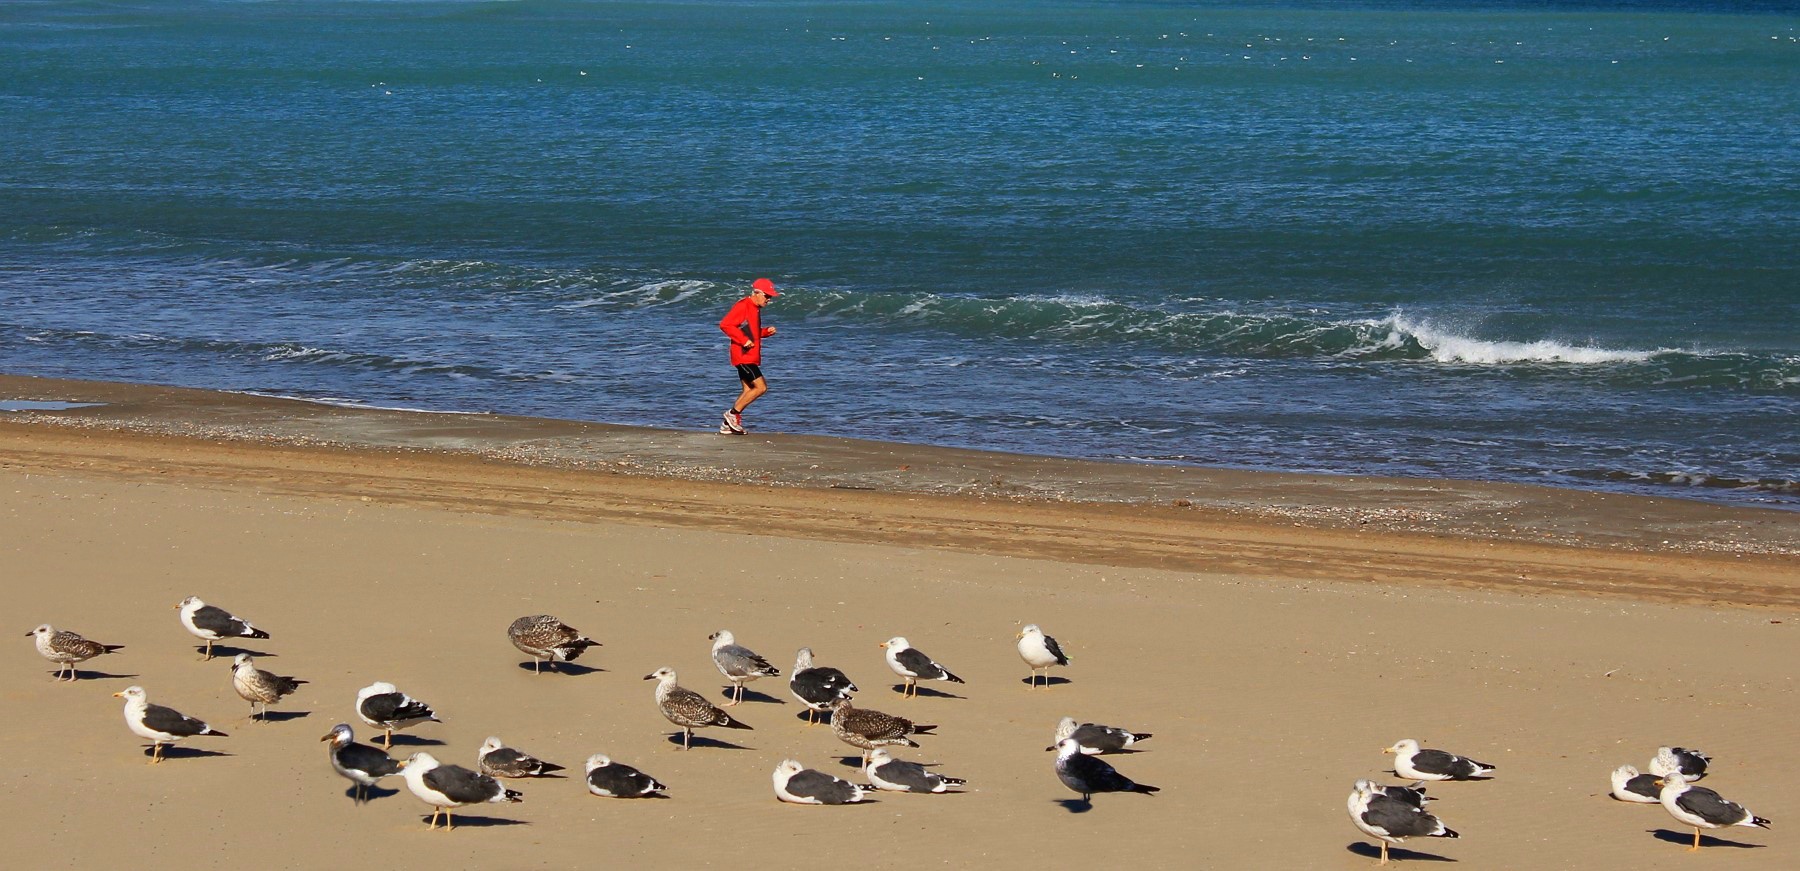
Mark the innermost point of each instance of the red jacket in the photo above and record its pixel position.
(744, 322)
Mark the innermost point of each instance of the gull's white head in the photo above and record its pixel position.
(803, 660)
(1067, 747)
(241, 660)
(340, 735)
(722, 638)
(897, 642)
(1030, 629)
(377, 688)
(490, 745)
(1065, 727)
(880, 756)
(44, 630)
(131, 695)
(1673, 780)
(788, 768)
(665, 674)
(598, 760)
(191, 602)
(419, 762)
(1404, 746)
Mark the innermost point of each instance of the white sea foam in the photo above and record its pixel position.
(1446, 346)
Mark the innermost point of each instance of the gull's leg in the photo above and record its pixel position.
(686, 733)
(1383, 854)
(449, 821)
(1696, 840)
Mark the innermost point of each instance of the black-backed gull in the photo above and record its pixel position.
(1701, 808)
(1413, 763)
(817, 686)
(911, 664)
(797, 784)
(360, 764)
(212, 624)
(451, 786)
(385, 707)
(1089, 774)
(610, 779)
(898, 775)
(1391, 820)
(498, 760)
(1040, 651)
(1094, 738)
(159, 724)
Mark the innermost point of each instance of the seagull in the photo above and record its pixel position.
(1391, 820)
(798, 784)
(1700, 807)
(1040, 651)
(610, 779)
(1414, 764)
(1088, 775)
(686, 708)
(738, 664)
(161, 725)
(451, 786)
(258, 687)
(65, 648)
(358, 763)
(497, 760)
(897, 775)
(867, 730)
(817, 686)
(385, 707)
(1095, 739)
(912, 664)
(1690, 764)
(1629, 785)
(211, 624)
(547, 639)
(1413, 795)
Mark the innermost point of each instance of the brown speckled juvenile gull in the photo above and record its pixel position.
(547, 639)
(498, 760)
(66, 648)
(260, 688)
(867, 730)
(686, 708)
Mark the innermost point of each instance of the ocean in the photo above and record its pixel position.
(1541, 242)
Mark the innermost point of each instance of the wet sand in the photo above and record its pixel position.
(1273, 631)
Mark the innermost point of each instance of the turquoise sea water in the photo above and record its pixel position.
(1547, 242)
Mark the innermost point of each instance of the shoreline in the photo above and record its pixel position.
(1432, 532)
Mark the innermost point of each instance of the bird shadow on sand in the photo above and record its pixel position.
(1686, 839)
(751, 695)
(280, 716)
(184, 753)
(1075, 805)
(99, 675)
(819, 718)
(1052, 681)
(415, 741)
(478, 822)
(220, 651)
(900, 689)
(1371, 851)
(370, 794)
(698, 742)
(572, 669)
(851, 762)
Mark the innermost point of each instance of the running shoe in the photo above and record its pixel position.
(734, 422)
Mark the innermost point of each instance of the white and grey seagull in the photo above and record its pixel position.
(384, 706)
(797, 784)
(360, 764)
(1690, 764)
(547, 639)
(495, 759)
(898, 775)
(1701, 808)
(1041, 652)
(260, 688)
(211, 624)
(738, 664)
(817, 686)
(1629, 785)
(911, 664)
(66, 648)
(451, 786)
(1391, 820)
(160, 724)
(1095, 739)
(686, 708)
(1413, 763)
(609, 779)
(1088, 774)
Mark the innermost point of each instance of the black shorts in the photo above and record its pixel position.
(749, 373)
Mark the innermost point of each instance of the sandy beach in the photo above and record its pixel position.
(1274, 632)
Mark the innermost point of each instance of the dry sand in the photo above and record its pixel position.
(1274, 633)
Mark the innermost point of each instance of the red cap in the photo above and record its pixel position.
(766, 286)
